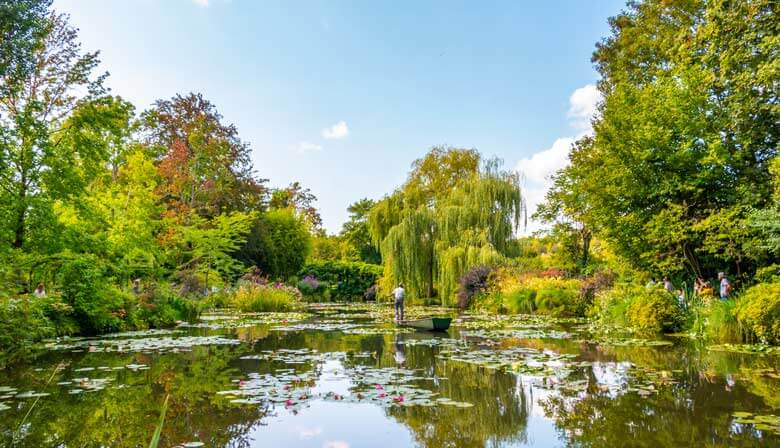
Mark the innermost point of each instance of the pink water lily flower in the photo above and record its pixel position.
(399, 399)
(382, 395)
(288, 403)
(377, 386)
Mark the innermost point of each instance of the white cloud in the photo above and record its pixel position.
(338, 130)
(540, 166)
(537, 170)
(309, 147)
(583, 105)
(203, 3)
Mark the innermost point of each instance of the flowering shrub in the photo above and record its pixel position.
(473, 282)
(261, 298)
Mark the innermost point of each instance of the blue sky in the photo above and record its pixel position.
(343, 96)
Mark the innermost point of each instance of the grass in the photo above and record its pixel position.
(265, 298)
(158, 431)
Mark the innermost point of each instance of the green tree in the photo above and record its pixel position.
(33, 111)
(686, 131)
(22, 26)
(450, 215)
(302, 200)
(209, 244)
(279, 243)
(355, 231)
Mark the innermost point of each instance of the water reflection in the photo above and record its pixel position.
(371, 386)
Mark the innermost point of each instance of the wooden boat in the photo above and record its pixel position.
(429, 323)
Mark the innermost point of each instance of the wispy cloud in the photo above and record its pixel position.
(305, 147)
(335, 444)
(202, 3)
(308, 433)
(540, 166)
(337, 131)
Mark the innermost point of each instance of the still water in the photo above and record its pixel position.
(342, 376)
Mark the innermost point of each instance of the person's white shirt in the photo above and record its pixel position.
(399, 293)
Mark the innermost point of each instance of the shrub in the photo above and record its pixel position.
(159, 306)
(262, 298)
(82, 285)
(347, 280)
(758, 312)
(641, 308)
(314, 290)
(552, 296)
(768, 274)
(23, 322)
(595, 284)
(473, 282)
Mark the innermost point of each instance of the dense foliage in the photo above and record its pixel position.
(453, 212)
(344, 280)
(758, 312)
(681, 150)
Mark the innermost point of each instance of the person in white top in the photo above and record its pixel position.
(725, 286)
(399, 293)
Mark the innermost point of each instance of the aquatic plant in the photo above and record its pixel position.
(262, 298)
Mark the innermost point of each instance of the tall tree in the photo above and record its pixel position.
(206, 167)
(33, 111)
(687, 130)
(450, 215)
(300, 199)
(23, 24)
(355, 231)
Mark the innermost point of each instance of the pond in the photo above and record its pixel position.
(339, 376)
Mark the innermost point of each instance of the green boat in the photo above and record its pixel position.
(429, 323)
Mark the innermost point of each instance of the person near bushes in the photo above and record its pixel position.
(725, 286)
(680, 295)
(40, 291)
(668, 284)
(399, 293)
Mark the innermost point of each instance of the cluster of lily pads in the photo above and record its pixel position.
(387, 386)
(769, 423)
(142, 345)
(244, 320)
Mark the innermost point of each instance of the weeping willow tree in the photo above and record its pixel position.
(452, 213)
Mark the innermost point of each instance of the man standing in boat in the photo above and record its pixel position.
(399, 293)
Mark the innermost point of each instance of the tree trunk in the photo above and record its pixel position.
(586, 238)
(21, 215)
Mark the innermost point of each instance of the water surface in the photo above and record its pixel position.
(343, 376)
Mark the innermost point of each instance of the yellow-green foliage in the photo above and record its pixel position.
(758, 311)
(641, 308)
(715, 321)
(515, 292)
(264, 298)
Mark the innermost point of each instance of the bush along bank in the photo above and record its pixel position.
(337, 280)
(751, 316)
